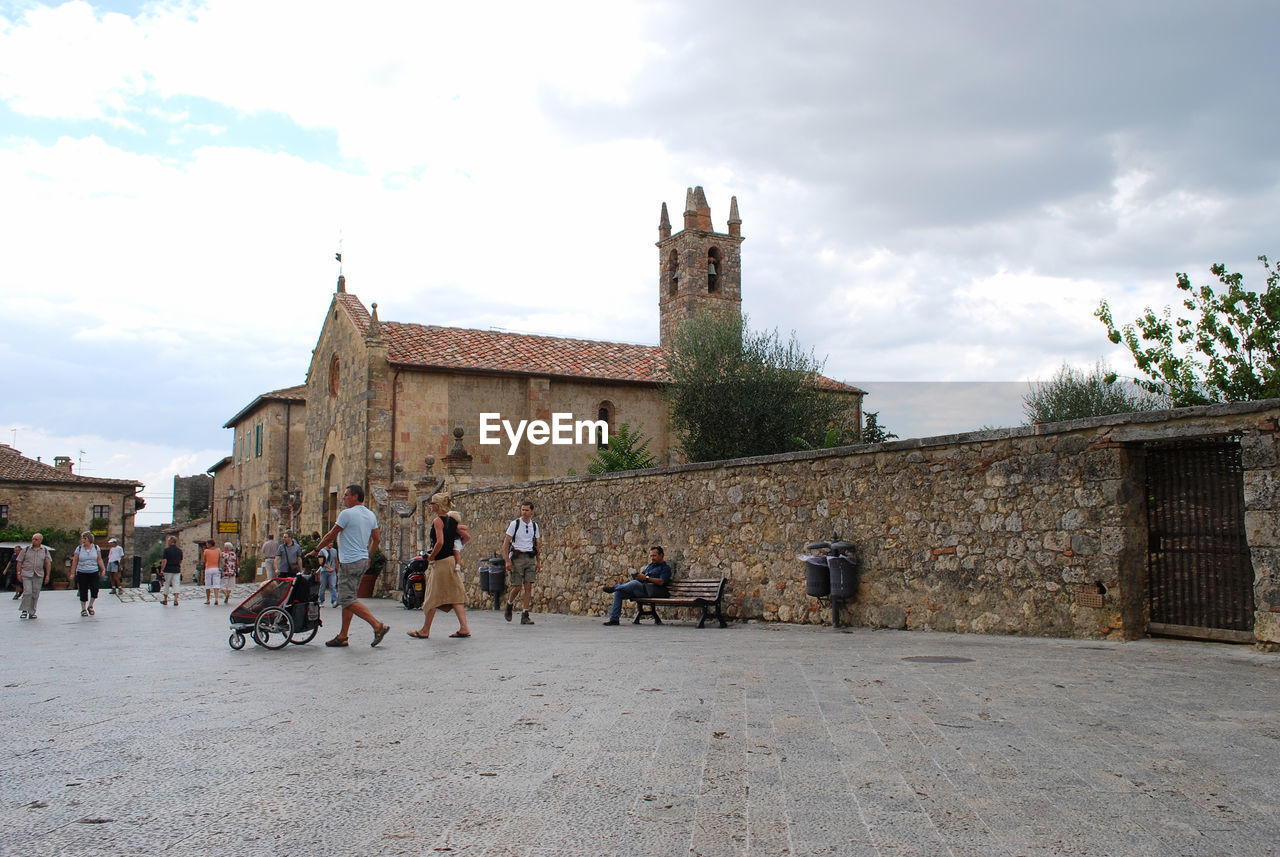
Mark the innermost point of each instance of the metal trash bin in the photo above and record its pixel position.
(817, 576)
(493, 578)
(843, 576)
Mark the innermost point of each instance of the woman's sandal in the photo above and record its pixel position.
(418, 636)
(90, 611)
(459, 634)
(84, 612)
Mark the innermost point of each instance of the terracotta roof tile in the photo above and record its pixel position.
(296, 394)
(430, 346)
(14, 467)
(355, 310)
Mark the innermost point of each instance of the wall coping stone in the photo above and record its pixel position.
(1131, 427)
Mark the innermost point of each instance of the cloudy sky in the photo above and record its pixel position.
(931, 192)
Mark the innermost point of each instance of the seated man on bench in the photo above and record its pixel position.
(650, 582)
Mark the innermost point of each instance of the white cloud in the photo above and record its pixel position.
(930, 191)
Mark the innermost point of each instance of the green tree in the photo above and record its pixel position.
(1228, 351)
(627, 450)
(737, 393)
(872, 431)
(1073, 394)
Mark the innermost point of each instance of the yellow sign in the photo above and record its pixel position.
(232, 527)
(99, 531)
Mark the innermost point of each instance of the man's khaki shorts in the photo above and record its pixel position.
(524, 568)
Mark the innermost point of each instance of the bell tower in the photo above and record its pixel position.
(698, 268)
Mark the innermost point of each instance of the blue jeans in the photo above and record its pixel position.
(328, 583)
(630, 589)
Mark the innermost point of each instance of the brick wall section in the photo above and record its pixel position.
(991, 532)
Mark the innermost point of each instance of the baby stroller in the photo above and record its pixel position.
(284, 610)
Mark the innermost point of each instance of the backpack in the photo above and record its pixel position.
(516, 523)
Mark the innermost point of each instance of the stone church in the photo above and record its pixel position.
(396, 406)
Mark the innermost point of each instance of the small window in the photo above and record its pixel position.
(257, 441)
(713, 269)
(102, 512)
(673, 274)
(4, 513)
(334, 373)
(604, 415)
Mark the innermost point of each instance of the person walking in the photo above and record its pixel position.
(115, 556)
(269, 549)
(522, 547)
(356, 534)
(89, 571)
(328, 573)
(34, 564)
(230, 570)
(172, 570)
(444, 583)
(212, 558)
(288, 556)
(13, 575)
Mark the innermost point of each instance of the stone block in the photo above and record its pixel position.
(1262, 529)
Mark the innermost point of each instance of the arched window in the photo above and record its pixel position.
(334, 376)
(673, 274)
(713, 269)
(604, 414)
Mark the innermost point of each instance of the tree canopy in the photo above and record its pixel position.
(1073, 394)
(1227, 351)
(737, 393)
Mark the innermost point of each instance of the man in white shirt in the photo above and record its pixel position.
(115, 556)
(523, 549)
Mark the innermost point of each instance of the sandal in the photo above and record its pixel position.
(418, 636)
(336, 642)
(90, 611)
(379, 634)
(459, 634)
(84, 612)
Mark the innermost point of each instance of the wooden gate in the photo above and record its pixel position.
(1200, 572)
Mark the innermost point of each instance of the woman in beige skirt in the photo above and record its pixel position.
(444, 583)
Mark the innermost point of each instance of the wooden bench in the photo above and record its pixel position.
(704, 594)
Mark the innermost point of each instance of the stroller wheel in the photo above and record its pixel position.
(273, 628)
(236, 640)
(301, 638)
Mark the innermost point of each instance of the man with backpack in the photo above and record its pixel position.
(522, 548)
(34, 565)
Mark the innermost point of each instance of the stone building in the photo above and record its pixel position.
(191, 496)
(258, 488)
(35, 494)
(398, 407)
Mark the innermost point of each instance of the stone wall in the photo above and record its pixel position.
(990, 532)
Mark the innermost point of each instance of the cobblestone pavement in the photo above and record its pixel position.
(140, 732)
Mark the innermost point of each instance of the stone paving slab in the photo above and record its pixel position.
(139, 731)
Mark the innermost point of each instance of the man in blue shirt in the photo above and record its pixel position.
(657, 574)
(356, 532)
